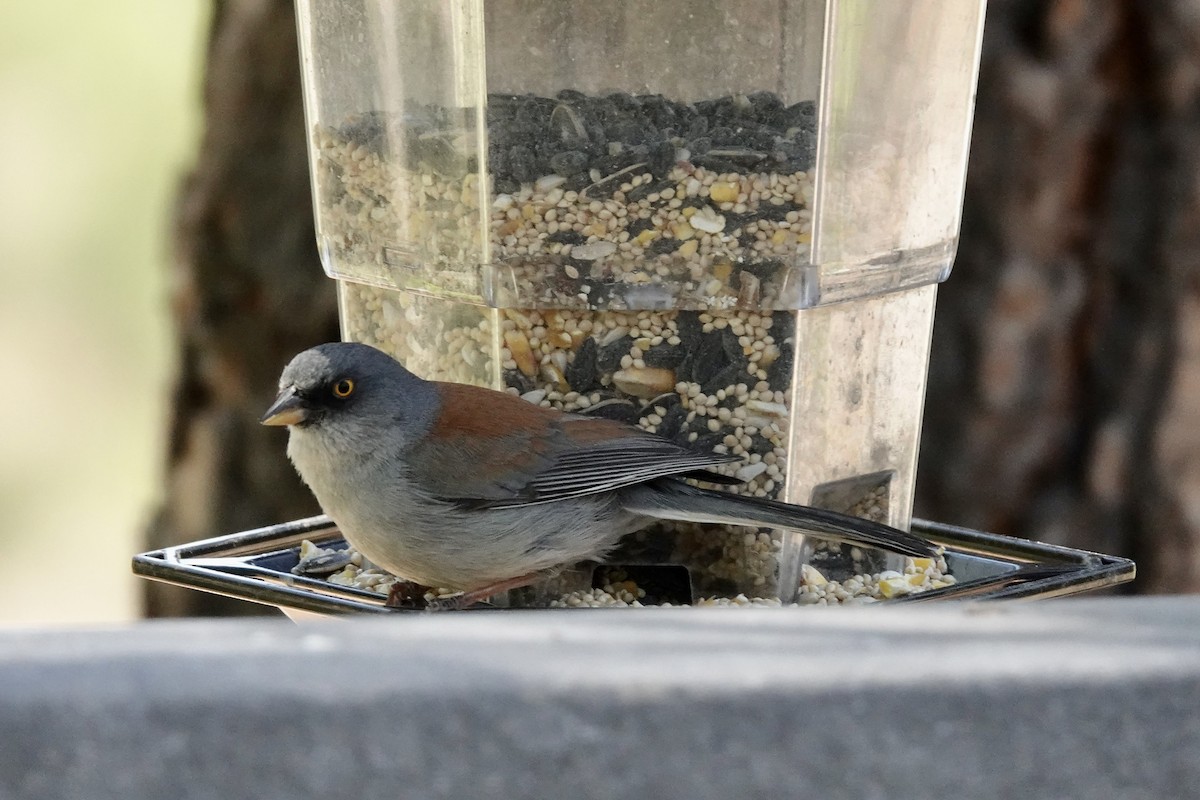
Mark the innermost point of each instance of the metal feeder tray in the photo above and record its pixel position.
(256, 565)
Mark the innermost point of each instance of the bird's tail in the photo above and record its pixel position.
(675, 500)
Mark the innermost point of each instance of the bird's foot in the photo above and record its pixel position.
(406, 595)
(458, 602)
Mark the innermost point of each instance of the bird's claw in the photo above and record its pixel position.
(407, 595)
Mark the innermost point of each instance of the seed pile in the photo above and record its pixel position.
(610, 202)
(348, 568)
(919, 575)
(573, 133)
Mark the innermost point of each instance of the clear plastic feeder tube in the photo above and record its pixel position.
(720, 221)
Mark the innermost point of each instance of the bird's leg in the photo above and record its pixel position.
(406, 594)
(470, 598)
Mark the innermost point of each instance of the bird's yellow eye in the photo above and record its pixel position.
(343, 388)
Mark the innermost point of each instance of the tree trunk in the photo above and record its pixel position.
(1064, 394)
(1064, 389)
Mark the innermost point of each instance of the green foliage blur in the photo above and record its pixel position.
(99, 120)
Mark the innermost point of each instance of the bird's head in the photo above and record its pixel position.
(351, 390)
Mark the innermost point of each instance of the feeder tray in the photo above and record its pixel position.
(256, 565)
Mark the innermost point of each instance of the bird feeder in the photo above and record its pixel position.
(724, 222)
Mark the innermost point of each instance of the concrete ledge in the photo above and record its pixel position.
(1057, 699)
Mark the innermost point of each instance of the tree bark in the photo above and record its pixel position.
(1065, 380)
(1064, 388)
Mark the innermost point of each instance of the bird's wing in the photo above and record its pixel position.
(518, 453)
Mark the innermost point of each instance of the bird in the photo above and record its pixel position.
(472, 489)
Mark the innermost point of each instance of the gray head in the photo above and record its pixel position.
(352, 391)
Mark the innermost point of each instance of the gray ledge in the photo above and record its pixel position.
(1055, 699)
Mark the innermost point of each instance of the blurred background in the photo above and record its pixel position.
(100, 117)
(160, 268)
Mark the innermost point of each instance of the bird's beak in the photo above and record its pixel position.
(289, 408)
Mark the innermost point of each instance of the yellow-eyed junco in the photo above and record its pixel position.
(457, 486)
